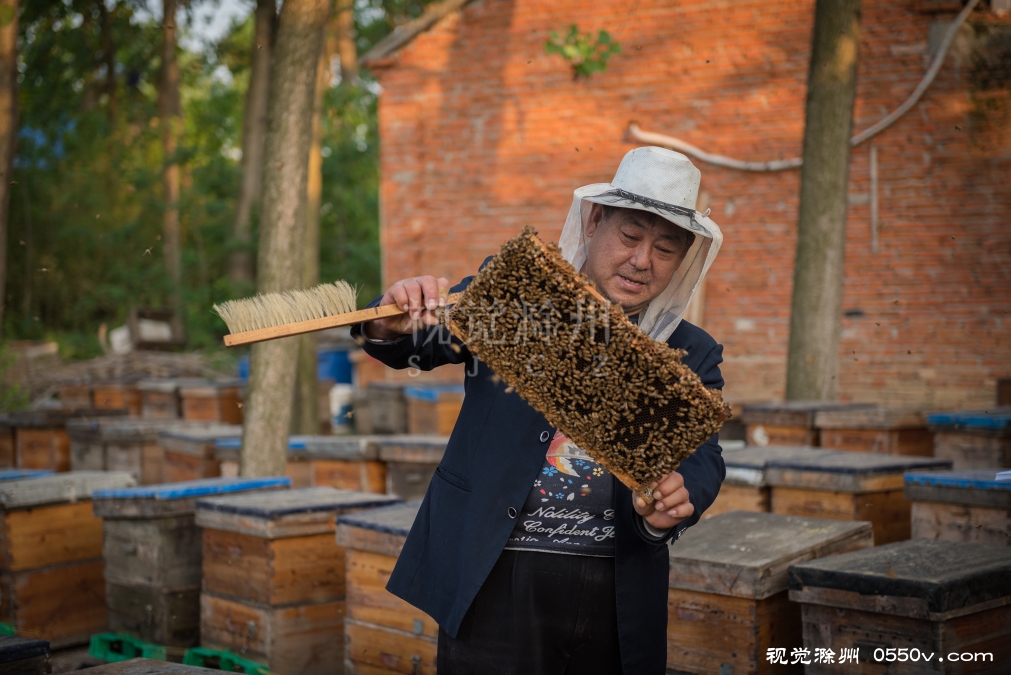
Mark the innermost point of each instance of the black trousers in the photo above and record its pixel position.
(538, 614)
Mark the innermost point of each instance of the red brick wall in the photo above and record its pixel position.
(483, 133)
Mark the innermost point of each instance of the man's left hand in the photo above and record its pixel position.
(670, 503)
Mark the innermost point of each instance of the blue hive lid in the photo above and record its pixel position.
(994, 419)
(432, 392)
(193, 488)
(969, 479)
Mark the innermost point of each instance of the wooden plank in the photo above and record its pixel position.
(147, 667)
(160, 405)
(49, 535)
(7, 447)
(382, 530)
(739, 498)
(299, 639)
(374, 650)
(888, 511)
(370, 602)
(778, 434)
(58, 488)
(85, 456)
(746, 555)
(24, 656)
(409, 480)
(916, 442)
(159, 552)
(293, 570)
(793, 413)
(64, 604)
(847, 471)
(832, 628)
(364, 475)
(180, 467)
(387, 408)
(42, 449)
(946, 575)
(958, 522)
(712, 634)
(165, 617)
(972, 451)
(212, 403)
(866, 418)
(417, 449)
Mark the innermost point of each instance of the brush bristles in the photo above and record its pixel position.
(277, 309)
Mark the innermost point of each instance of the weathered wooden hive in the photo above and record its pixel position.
(274, 576)
(745, 487)
(887, 431)
(788, 422)
(410, 462)
(969, 505)
(151, 545)
(973, 439)
(189, 451)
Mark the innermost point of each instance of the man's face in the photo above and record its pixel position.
(632, 255)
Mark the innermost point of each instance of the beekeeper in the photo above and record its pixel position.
(530, 556)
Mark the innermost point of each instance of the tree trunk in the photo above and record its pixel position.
(171, 122)
(254, 129)
(346, 47)
(282, 226)
(815, 318)
(307, 387)
(8, 127)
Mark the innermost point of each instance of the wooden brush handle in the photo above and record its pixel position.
(312, 325)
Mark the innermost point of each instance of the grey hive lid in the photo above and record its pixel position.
(341, 447)
(290, 513)
(746, 466)
(747, 554)
(847, 471)
(793, 413)
(396, 520)
(945, 575)
(201, 433)
(271, 505)
(110, 429)
(60, 488)
(19, 649)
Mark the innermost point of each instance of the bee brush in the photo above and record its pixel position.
(269, 316)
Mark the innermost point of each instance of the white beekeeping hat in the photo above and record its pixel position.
(665, 183)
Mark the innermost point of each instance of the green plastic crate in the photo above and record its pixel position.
(7, 629)
(113, 647)
(222, 659)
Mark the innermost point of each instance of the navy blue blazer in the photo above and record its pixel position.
(492, 459)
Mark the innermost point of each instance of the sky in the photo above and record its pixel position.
(211, 19)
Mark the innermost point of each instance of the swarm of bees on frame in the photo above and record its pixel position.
(624, 398)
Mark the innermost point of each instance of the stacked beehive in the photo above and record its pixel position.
(274, 578)
(153, 556)
(51, 555)
(119, 444)
(189, 451)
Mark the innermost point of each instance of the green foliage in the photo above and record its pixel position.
(586, 55)
(12, 396)
(86, 210)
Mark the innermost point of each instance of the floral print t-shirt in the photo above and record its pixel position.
(569, 509)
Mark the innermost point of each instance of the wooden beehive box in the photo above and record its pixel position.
(151, 545)
(190, 451)
(119, 444)
(411, 462)
(433, 409)
(745, 487)
(298, 467)
(787, 423)
(160, 396)
(969, 505)
(51, 556)
(888, 431)
(728, 601)
(385, 409)
(973, 439)
(24, 656)
(926, 597)
(382, 633)
(38, 438)
(75, 395)
(346, 463)
(273, 576)
(846, 485)
(212, 401)
(7, 437)
(117, 395)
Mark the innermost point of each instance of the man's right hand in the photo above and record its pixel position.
(419, 297)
